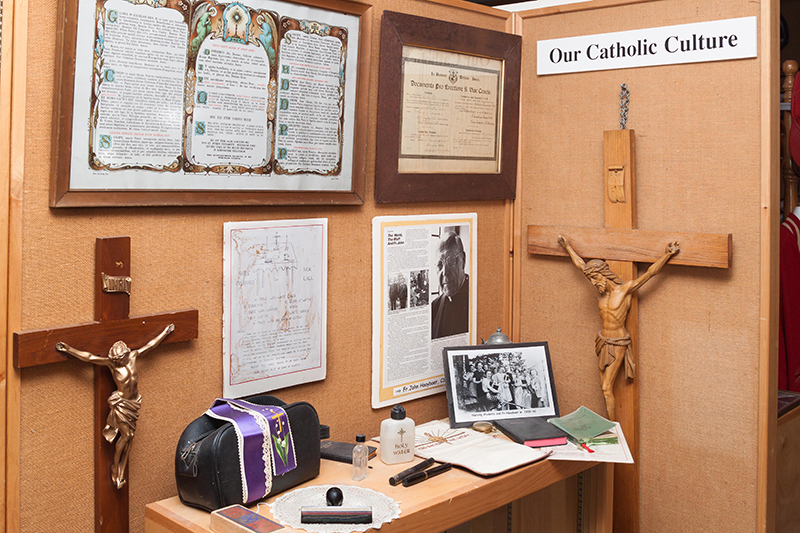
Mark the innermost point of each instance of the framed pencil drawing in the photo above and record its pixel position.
(448, 106)
(210, 102)
(492, 382)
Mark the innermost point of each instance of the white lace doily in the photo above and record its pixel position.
(286, 508)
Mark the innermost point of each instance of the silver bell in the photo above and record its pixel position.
(497, 337)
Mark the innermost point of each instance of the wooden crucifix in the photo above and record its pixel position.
(622, 246)
(112, 324)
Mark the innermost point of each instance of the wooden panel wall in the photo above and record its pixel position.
(698, 130)
(177, 263)
(788, 477)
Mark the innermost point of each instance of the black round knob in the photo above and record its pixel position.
(334, 496)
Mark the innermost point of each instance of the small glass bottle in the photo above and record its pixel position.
(360, 458)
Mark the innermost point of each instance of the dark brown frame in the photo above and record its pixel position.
(62, 196)
(399, 29)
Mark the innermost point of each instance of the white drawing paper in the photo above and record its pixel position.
(275, 300)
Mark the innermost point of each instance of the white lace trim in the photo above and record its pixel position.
(266, 445)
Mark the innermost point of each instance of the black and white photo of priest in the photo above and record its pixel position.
(450, 309)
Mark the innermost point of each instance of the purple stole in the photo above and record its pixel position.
(265, 443)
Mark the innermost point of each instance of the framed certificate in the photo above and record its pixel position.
(448, 106)
(210, 102)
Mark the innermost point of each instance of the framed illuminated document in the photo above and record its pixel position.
(210, 102)
(448, 105)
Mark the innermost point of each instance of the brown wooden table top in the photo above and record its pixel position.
(436, 504)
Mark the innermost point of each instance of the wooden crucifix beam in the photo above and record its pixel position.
(638, 246)
(112, 323)
(38, 346)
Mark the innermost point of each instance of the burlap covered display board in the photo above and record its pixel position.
(698, 154)
(698, 162)
(177, 263)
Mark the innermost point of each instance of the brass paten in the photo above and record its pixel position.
(483, 427)
(125, 402)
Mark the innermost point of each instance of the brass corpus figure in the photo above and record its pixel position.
(125, 401)
(612, 344)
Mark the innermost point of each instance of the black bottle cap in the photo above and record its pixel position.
(361, 438)
(398, 412)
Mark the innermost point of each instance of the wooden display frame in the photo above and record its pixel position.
(392, 185)
(62, 194)
(757, 251)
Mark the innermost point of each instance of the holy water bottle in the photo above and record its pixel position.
(397, 437)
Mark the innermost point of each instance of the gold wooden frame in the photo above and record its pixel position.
(62, 195)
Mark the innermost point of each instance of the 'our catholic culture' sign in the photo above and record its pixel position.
(669, 45)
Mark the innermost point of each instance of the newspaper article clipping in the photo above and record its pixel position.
(424, 299)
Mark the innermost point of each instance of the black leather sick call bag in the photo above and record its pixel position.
(207, 468)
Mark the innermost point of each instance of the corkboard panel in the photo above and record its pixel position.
(177, 263)
(698, 147)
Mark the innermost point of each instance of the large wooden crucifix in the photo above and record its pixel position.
(622, 246)
(112, 324)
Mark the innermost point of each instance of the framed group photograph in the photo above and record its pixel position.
(448, 110)
(492, 382)
(210, 102)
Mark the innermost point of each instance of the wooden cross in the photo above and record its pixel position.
(622, 245)
(112, 323)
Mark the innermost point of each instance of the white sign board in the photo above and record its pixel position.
(717, 40)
